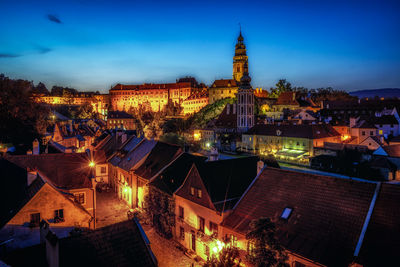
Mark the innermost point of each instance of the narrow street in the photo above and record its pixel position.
(112, 210)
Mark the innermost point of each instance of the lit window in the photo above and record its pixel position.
(181, 212)
(201, 224)
(199, 193)
(286, 213)
(80, 198)
(58, 215)
(192, 191)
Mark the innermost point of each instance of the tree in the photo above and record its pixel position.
(264, 247)
(21, 119)
(281, 86)
(227, 257)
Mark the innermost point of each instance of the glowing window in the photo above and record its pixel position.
(192, 191)
(286, 213)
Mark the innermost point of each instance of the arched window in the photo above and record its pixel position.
(238, 68)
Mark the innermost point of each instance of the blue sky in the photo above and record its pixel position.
(91, 45)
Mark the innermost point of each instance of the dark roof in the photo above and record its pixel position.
(127, 159)
(120, 244)
(119, 115)
(161, 155)
(223, 83)
(385, 119)
(65, 170)
(309, 131)
(171, 178)
(226, 120)
(327, 213)
(381, 244)
(364, 124)
(383, 163)
(14, 192)
(227, 179)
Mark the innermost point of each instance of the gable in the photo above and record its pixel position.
(369, 140)
(193, 180)
(45, 202)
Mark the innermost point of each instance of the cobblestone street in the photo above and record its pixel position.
(110, 209)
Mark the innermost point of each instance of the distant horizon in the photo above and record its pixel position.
(93, 45)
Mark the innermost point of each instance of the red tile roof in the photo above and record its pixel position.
(392, 150)
(327, 213)
(225, 120)
(381, 244)
(65, 170)
(287, 98)
(152, 86)
(223, 83)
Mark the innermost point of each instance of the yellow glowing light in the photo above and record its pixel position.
(207, 144)
(345, 137)
(125, 189)
(215, 249)
(91, 164)
(196, 136)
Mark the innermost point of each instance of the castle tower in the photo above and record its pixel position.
(239, 59)
(245, 102)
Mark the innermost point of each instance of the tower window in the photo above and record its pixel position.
(238, 69)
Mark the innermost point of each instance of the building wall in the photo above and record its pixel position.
(89, 204)
(128, 124)
(217, 93)
(45, 202)
(190, 224)
(191, 106)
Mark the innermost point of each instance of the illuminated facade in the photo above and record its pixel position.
(149, 96)
(195, 102)
(245, 102)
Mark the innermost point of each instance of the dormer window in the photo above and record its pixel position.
(286, 213)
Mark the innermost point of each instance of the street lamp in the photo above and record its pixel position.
(91, 164)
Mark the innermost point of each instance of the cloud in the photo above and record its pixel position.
(54, 18)
(6, 55)
(43, 49)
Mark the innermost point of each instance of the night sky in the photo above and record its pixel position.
(91, 45)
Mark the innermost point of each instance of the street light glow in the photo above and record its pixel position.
(91, 164)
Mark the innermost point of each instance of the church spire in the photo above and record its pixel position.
(240, 57)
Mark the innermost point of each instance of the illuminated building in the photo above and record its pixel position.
(291, 143)
(151, 96)
(204, 197)
(224, 88)
(72, 137)
(195, 102)
(120, 120)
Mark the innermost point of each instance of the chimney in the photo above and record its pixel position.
(35, 147)
(353, 122)
(31, 176)
(260, 166)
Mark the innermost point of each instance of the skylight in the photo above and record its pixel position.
(286, 213)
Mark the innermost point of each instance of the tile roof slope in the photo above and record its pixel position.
(130, 159)
(171, 178)
(227, 179)
(161, 154)
(65, 170)
(392, 150)
(119, 115)
(364, 124)
(222, 83)
(310, 131)
(327, 217)
(119, 244)
(225, 120)
(287, 98)
(381, 244)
